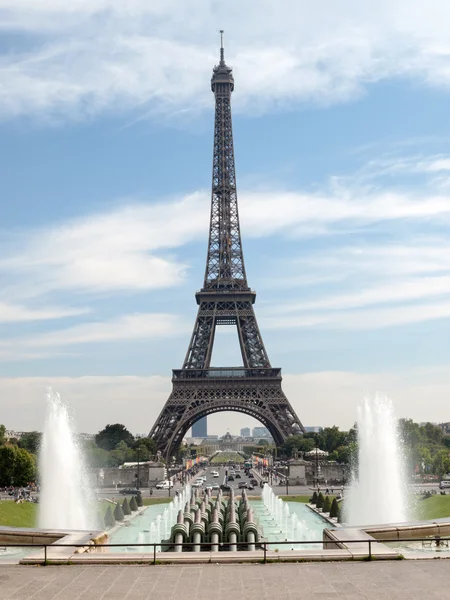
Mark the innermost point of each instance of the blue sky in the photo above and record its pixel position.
(341, 138)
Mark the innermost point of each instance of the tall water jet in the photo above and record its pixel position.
(378, 492)
(65, 501)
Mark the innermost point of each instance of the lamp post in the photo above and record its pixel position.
(286, 473)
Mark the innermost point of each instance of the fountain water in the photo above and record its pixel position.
(378, 493)
(65, 500)
(288, 524)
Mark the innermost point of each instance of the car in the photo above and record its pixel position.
(133, 491)
(250, 487)
(197, 484)
(164, 485)
(216, 475)
(253, 481)
(230, 478)
(213, 487)
(225, 488)
(242, 485)
(444, 484)
(237, 476)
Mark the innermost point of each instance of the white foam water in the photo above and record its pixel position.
(65, 500)
(378, 492)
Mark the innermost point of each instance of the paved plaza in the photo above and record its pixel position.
(399, 580)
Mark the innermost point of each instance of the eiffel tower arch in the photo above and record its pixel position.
(225, 299)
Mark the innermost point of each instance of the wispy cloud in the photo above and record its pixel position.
(84, 57)
(141, 326)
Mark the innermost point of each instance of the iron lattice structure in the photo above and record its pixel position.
(225, 299)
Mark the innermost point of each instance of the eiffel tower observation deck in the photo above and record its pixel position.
(225, 299)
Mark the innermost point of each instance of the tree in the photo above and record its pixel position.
(121, 453)
(326, 505)
(433, 433)
(300, 443)
(31, 441)
(109, 437)
(109, 519)
(2, 434)
(133, 504)
(441, 462)
(126, 507)
(314, 498)
(263, 442)
(334, 510)
(118, 513)
(320, 500)
(17, 466)
(139, 500)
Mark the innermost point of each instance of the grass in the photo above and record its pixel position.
(435, 507)
(18, 515)
(303, 499)
(224, 457)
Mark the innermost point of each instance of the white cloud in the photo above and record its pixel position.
(136, 247)
(421, 394)
(16, 313)
(148, 326)
(84, 57)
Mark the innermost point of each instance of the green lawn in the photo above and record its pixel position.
(224, 457)
(436, 507)
(18, 515)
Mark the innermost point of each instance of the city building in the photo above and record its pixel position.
(245, 432)
(200, 428)
(260, 432)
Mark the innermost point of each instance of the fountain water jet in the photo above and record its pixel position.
(378, 492)
(65, 500)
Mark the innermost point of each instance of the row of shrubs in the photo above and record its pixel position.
(327, 505)
(120, 511)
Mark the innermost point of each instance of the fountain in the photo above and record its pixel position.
(378, 492)
(65, 501)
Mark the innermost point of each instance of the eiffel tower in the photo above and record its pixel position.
(225, 299)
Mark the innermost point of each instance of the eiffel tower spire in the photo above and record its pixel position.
(225, 299)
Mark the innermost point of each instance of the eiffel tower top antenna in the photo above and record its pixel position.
(222, 58)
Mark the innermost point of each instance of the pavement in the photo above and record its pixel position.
(399, 580)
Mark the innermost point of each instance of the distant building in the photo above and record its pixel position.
(260, 432)
(245, 432)
(315, 429)
(445, 428)
(200, 428)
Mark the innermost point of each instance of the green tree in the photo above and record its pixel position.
(326, 505)
(314, 498)
(109, 437)
(263, 442)
(297, 442)
(109, 519)
(139, 500)
(126, 507)
(433, 433)
(118, 513)
(441, 462)
(2, 434)
(320, 500)
(31, 441)
(121, 453)
(17, 466)
(334, 510)
(133, 504)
